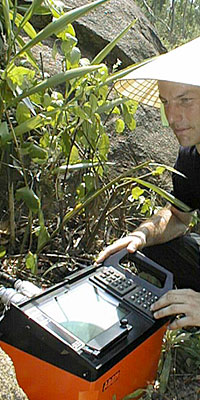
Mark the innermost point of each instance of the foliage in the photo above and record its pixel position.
(53, 136)
(177, 21)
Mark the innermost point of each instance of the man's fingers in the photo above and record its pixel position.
(180, 296)
(173, 309)
(113, 248)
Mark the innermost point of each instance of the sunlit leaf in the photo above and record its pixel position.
(21, 77)
(158, 171)
(35, 4)
(119, 125)
(2, 251)
(59, 24)
(136, 192)
(31, 262)
(22, 112)
(56, 80)
(103, 145)
(163, 193)
(100, 57)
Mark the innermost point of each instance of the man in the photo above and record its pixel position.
(164, 237)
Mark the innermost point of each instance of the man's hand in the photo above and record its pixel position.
(132, 242)
(183, 302)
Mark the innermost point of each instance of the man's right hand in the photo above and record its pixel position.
(132, 242)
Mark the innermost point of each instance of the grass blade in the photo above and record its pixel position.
(57, 80)
(31, 10)
(6, 12)
(59, 24)
(168, 196)
(103, 53)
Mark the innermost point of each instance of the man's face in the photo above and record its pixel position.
(182, 109)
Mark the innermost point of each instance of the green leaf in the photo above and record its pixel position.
(5, 135)
(31, 262)
(20, 77)
(164, 120)
(28, 28)
(137, 192)
(79, 112)
(58, 25)
(38, 152)
(93, 102)
(6, 12)
(134, 395)
(68, 43)
(31, 10)
(22, 113)
(43, 237)
(56, 80)
(109, 105)
(29, 125)
(75, 56)
(158, 171)
(164, 194)
(103, 53)
(29, 197)
(119, 125)
(164, 377)
(74, 155)
(2, 251)
(31, 59)
(103, 146)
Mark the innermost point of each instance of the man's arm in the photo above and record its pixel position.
(166, 225)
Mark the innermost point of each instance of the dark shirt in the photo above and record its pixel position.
(188, 189)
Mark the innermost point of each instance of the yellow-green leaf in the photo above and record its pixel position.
(119, 125)
(137, 192)
(31, 262)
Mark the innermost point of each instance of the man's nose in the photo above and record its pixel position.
(173, 114)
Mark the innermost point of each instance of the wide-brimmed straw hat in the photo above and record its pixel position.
(180, 65)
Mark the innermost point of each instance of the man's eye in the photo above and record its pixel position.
(186, 100)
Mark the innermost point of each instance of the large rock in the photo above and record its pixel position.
(104, 23)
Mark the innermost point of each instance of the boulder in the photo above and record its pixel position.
(100, 26)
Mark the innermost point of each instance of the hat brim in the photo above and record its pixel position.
(179, 65)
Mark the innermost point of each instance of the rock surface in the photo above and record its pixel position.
(9, 388)
(104, 23)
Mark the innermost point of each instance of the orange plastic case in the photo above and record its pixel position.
(43, 381)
